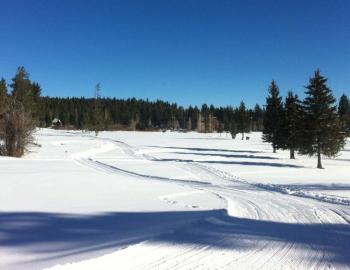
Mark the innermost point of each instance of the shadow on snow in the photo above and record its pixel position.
(207, 149)
(61, 235)
(224, 155)
(312, 187)
(244, 163)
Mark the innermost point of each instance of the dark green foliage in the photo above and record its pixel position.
(344, 113)
(22, 89)
(133, 114)
(3, 109)
(3, 95)
(321, 132)
(242, 119)
(344, 105)
(115, 114)
(273, 117)
(206, 114)
(233, 129)
(257, 117)
(291, 124)
(36, 95)
(26, 92)
(98, 121)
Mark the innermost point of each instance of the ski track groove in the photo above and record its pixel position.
(194, 255)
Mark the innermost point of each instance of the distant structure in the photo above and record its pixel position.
(56, 123)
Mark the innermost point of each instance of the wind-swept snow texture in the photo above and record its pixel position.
(137, 200)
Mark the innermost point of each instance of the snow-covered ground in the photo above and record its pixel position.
(152, 200)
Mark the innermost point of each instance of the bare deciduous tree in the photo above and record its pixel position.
(16, 129)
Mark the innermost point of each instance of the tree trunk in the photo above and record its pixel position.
(319, 163)
(292, 155)
(242, 136)
(274, 148)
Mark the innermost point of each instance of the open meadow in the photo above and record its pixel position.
(171, 200)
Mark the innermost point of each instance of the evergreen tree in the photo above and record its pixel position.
(258, 118)
(242, 119)
(322, 132)
(273, 117)
(36, 95)
(344, 105)
(189, 124)
(199, 121)
(344, 112)
(3, 105)
(3, 95)
(291, 123)
(233, 129)
(133, 114)
(205, 112)
(22, 89)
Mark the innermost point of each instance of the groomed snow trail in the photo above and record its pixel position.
(263, 227)
(117, 204)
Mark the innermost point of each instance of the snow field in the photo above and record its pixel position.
(138, 200)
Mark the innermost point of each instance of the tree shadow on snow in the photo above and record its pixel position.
(225, 155)
(207, 138)
(244, 163)
(62, 236)
(207, 149)
(312, 187)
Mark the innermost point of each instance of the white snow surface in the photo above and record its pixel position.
(154, 200)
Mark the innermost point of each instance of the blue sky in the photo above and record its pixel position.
(184, 51)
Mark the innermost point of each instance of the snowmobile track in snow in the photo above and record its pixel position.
(249, 200)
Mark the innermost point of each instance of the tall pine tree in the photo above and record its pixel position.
(258, 116)
(22, 89)
(36, 95)
(3, 95)
(291, 123)
(322, 132)
(344, 112)
(273, 117)
(242, 119)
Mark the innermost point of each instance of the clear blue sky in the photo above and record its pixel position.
(183, 51)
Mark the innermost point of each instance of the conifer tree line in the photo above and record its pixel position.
(22, 108)
(314, 126)
(138, 114)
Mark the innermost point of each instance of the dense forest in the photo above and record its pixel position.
(314, 126)
(137, 114)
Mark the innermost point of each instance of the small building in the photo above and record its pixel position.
(56, 123)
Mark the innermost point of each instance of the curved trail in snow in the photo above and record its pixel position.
(267, 227)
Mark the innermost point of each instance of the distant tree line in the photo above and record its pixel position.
(314, 126)
(135, 114)
(22, 108)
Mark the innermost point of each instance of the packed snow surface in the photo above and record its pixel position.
(154, 200)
